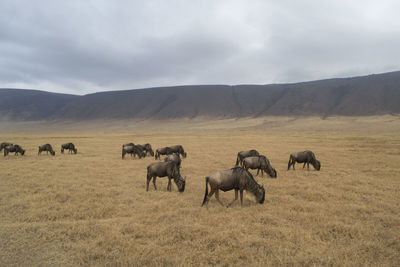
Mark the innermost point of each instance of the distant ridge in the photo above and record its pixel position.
(357, 96)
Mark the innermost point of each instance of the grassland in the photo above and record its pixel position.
(92, 208)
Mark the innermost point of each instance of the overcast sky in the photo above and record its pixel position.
(82, 47)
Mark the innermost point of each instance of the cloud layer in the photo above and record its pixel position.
(86, 46)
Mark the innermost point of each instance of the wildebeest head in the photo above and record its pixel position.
(52, 152)
(75, 150)
(62, 149)
(260, 194)
(22, 151)
(317, 164)
(273, 173)
(184, 154)
(180, 183)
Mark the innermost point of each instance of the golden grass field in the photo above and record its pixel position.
(92, 208)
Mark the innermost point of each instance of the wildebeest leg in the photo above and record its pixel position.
(258, 170)
(236, 197)
(209, 196)
(308, 165)
(169, 184)
(147, 182)
(241, 197)
(154, 182)
(217, 197)
(304, 164)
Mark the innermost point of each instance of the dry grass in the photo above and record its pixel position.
(92, 208)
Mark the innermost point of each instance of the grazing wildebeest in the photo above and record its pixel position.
(146, 148)
(244, 154)
(177, 149)
(128, 144)
(161, 151)
(305, 157)
(13, 148)
(4, 144)
(169, 150)
(70, 146)
(236, 178)
(48, 148)
(260, 163)
(175, 158)
(165, 169)
(133, 150)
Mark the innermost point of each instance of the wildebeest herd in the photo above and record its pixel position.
(237, 178)
(9, 147)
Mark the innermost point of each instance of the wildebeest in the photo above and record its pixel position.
(128, 144)
(48, 148)
(146, 148)
(260, 163)
(133, 150)
(305, 157)
(70, 146)
(169, 150)
(165, 169)
(236, 178)
(244, 154)
(4, 144)
(177, 149)
(174, 158)
(13, 148)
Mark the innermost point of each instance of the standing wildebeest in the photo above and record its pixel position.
(133, 150)
(70, 146)
(177, 149)
(163, 169)
(4, 144)
(48, 148)
(13, 148)
(174, 158)
(146, 148)
(128, 144)
(161, 151)
(236, 178)
(260, 163)
(169, 150)
(305, 157)
(244, 154)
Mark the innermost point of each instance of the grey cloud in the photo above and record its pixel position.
(81, 47)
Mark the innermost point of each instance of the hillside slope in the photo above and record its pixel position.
(367, 95)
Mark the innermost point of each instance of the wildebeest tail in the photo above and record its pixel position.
(237, 161)
(290, 162)
(206, 193)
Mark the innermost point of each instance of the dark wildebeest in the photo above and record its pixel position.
(260, 163)
(128, 144)
(170, 150)
(133, 150)
(165, 169)
(174, 158)
(4, 144)
(70, 146)
(147, 149)
(236, 178)
(13, 148)
(48, 148)
(177, 149)
(244, 154)
(305, 157)
(161, 151)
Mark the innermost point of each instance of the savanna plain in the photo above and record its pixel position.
(92, 208)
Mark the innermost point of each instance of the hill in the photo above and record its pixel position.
(357, 96)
